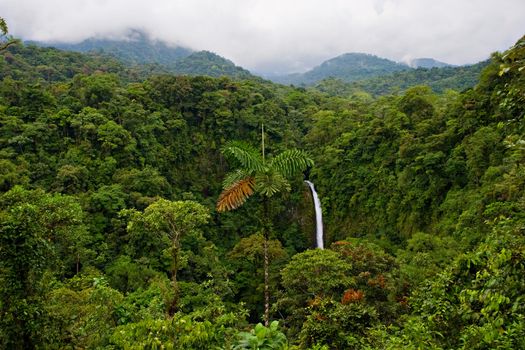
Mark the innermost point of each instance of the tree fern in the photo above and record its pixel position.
(234, 176)
(264, 177)
(291, 162)
(245, 154)
(270, 183)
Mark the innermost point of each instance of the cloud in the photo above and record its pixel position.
(284, 35)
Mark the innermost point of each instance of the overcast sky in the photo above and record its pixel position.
(285, 35)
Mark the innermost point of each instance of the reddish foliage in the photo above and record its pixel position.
(380, 282)
(352, 296)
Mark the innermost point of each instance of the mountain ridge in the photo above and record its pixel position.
(136, 48)
(428, 62)
(157, 56)
(439, 79)
(351, 66)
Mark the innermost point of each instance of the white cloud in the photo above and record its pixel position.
(285, 34)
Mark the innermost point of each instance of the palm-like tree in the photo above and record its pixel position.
(257, 175)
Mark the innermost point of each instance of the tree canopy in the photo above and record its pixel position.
(117, 228)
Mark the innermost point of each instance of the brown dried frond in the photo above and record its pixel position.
(235, 195)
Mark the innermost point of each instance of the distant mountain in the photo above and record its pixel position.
(137, 48)
(157, 57)
(347, 67)
(439, 79)
(208, 63)
(428, 63)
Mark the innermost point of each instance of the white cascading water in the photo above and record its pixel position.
(318, 216)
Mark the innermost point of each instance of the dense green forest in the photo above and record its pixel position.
(142, 57)
(347, 67)
(145, 211)
(135, 48)
(439, 79)
(427, 63)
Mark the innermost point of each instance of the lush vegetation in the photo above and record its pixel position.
(438, 79)
(427, 63)
(114, 233)
(347, 67)
(144, 57)
(135, 48)
(210, 64)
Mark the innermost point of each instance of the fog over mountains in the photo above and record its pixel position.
(282, 37)
(139, 49)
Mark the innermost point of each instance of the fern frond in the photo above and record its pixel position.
(270, 183)
(291, 162)
(246, 155)
(235, 195)
(234, 176)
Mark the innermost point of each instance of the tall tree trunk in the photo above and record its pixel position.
(266, 234)
(266, 281)
(175, 300)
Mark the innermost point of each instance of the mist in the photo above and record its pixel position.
(271, 36)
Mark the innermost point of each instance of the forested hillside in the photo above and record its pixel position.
(427, 63)
(111, 237)
(143, 57)
(438, 79)
(347, 67)
(210, 64)
(31, 63)
(135, 48)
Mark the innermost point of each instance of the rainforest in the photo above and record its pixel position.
(143, 209)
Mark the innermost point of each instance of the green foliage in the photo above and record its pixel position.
(439, 79)
(156, 57)
(425, 255)
(332, 297)
(316, 273)
(84, 312)
(32, 63)
(191, 331)
(3, 26)
(127, 275)
(138, 49)
(209, 64)
(290, 162)
(166, 222)
(475, 304)
(347, 67)
(247, 258)
(247, 156)
(113, 242)
(41, 235)
(414, 335)
(268, 178)
(262, 338)
(337, 325)
(5, 41)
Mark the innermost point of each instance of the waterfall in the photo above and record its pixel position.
(318, 216)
